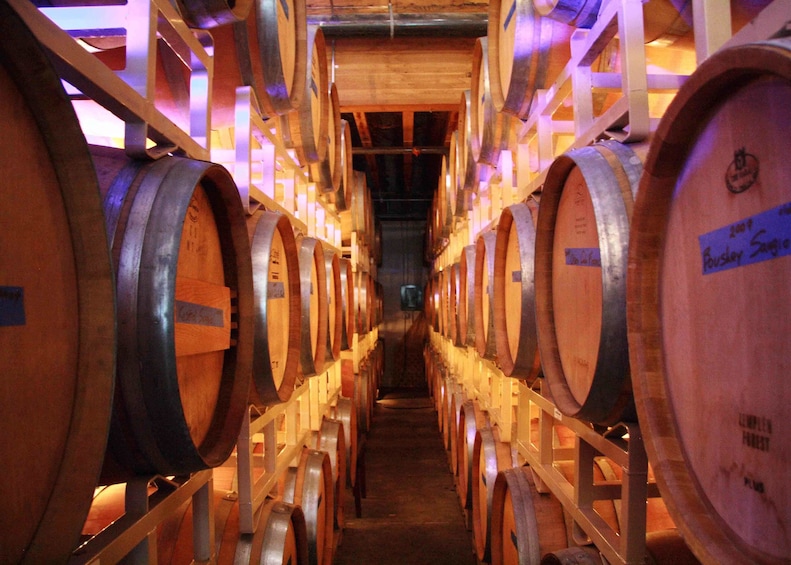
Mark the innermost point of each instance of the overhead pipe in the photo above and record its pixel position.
(416, 150)
(402, 25)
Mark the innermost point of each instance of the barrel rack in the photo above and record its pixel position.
(266, 173)
(521, 171)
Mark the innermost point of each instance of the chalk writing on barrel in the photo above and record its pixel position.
(198, 314)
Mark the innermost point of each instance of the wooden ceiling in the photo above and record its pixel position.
(400, 70)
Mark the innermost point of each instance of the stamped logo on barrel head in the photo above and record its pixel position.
(742, 172)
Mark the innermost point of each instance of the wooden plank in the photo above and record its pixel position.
(426, 72)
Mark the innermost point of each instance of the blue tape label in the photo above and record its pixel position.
(516, 276)
(284, 6)
(12, 306)
(198, 314)
(583, 256)
(510, 15)
(758, 238)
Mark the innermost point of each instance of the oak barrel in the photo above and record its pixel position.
(313, 291)
(525, 523)
(332, 439)
(582, 239)
(347, 304)
(305, 129)
(708, 306)
(467, 296)
(335, 321)
(327, 172)
(267, 51)
(489, 126)
(346, 413)
(490, 456)
(57, 318)
(485, 343)
(516, 335)
(471, 419)
(185, 301)
(313, 492)
(278, 322)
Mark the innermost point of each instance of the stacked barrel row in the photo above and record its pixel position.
(615, 292)
(143, 312)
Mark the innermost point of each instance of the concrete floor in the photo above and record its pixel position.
(411, 514)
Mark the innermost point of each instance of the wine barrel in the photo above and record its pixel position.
(278, 322)
(469, 171)
(516, 336)
(471, 419)
(347, 304)
(267, 51)
(490, 456)
(580, 281)
(489, 126)
(467, 296)
(345, 194)
(454, 288)
(445, 218)
(666, 547)
(708, 271)
(305, 129)
(332, 439)
(208, 14)
(332, 268)
(327, 172)
(57, 318)
(543, 50)
(346, 413)
(485, 343)
(362, 301)
(185, 294)
(313, 291)
(312, 490)
(525, 523)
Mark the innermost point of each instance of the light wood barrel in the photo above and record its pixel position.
(544, 50)
(335, 322)
(327, 173)
(580, 281)
(280, 535)
(516, 335)
(661, 548)
(278, 321)
(332, 439)
(471, 419)
(346, 413)
(269, 52)
(185, 294)
(709, 270)
(305, 129)
(485, 343)
(490, 456)
(57, 319)
(362, 301)
(489, 126)
(347, 304)
(469, 172)
(467, 296)
(445, 217)
(525, 523)
(345, 194)
(208, 14)
(313, 292)
(456, 333)
(311, 488)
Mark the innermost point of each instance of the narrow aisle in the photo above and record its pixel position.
(411, 514)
